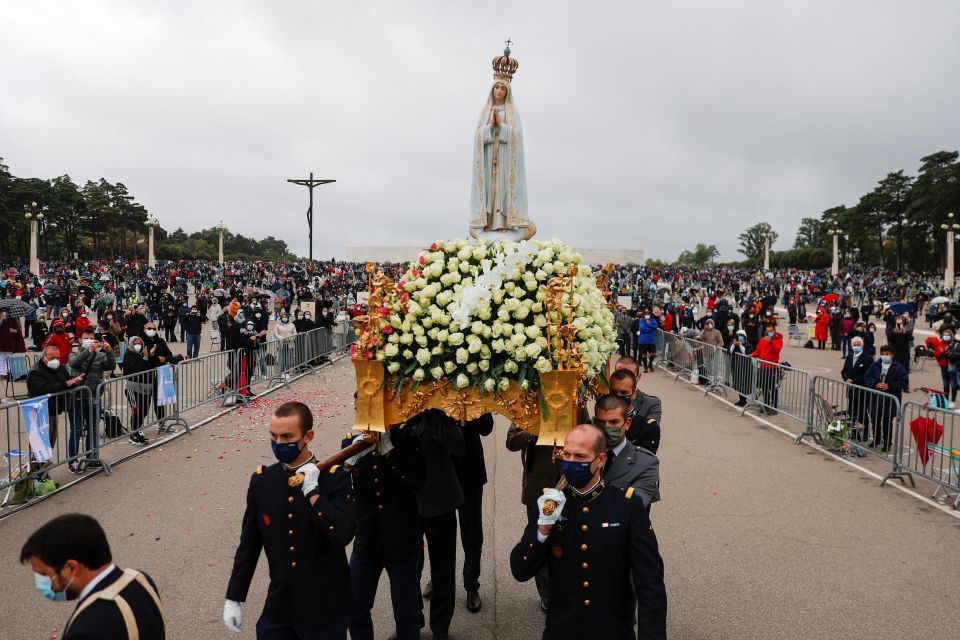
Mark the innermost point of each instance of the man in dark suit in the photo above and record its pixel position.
(388, 535)
(472, 475)
(593, 538)
(854, 372)
(71, 560)
(437, 502)
(303, 520)
(890, 377)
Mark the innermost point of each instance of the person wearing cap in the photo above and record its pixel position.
(60, 339)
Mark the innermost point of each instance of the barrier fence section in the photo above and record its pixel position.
(930, 447)
(777, 388)
(857, 421)
(44, 433)
(122, 408)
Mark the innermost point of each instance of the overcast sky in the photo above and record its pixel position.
(647, 125)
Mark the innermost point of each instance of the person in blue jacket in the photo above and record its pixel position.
(890, 377)
(647, 327)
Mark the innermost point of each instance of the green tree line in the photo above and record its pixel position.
(100, 219)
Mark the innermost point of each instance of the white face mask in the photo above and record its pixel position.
(138, 347)
(54, 364)
(86, 342)
(151, 332)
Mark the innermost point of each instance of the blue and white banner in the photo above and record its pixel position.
(166, 391)
(36, 417)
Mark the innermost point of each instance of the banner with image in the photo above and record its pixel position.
(166, 391)
(36, 418)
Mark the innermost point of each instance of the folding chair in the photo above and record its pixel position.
(794, 335)
(18, 369)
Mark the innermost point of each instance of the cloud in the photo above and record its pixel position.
(646, 126)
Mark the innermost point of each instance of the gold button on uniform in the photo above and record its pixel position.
(586, 509)
(289, 516)
(584, 566)
(292, 549)
(586, 603)
(583, 547)
(290, 532)
(586, 584)
(293, 565)
(380, 507)
(290, 499)
(583, 527)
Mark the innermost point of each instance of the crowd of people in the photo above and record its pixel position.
(424, 479)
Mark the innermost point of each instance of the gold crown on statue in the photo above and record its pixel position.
(504, 66)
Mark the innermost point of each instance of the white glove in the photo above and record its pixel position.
(557, 500)
(233, 616)
(386, 446)
(352, 460)
(311, 475)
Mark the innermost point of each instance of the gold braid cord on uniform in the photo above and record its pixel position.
(112, 594)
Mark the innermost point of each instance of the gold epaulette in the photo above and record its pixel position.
(259, 469)
(628, 493)
(334, 468)
(652, 421)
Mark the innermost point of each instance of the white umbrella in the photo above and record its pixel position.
(940, 300)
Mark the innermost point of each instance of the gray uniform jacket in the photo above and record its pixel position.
(638, 468)
(645, 407)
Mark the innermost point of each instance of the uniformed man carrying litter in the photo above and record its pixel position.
(592, 538)
(303, 520)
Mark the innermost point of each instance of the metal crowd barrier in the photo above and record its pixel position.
(28, 459)
(930, 447)
(126, 405)
(777, 388)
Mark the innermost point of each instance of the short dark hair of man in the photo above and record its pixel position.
(88, 332)
(886, 349)
(298, 409)
(599, 439)
(627, 361)
(612, 402)
(72, 536)
(624, 374)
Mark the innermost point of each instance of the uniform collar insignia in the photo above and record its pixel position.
(593, 493)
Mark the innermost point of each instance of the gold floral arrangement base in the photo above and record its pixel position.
(379, 407)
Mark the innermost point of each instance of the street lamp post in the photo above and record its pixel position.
(220, 246)
(151, 260)
(951, 227)
(766, 251)
(835, 266)
(34, 213)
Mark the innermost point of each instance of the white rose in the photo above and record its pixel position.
(464, 254)
(423, 356)
(393, 367)
(455, 339)
(504, 384)
(449, 367)
(484, 365)
(532, 350)
(462, 381)
(489, 385)
(391, 350)
(472, 367)
(521, 313)
(436, 373)
(406, 338)
(462, 355)
(510, 366)
(407, 354)
(543, 365)
(422, 340)
(437, 350)
(532, 332)
(418, 375)
(497, 345)
(443, 335)
(444, 298)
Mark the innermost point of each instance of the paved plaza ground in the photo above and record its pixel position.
(761, 538)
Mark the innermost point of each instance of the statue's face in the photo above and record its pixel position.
(499, 93)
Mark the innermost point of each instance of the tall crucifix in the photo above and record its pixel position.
(310, 183)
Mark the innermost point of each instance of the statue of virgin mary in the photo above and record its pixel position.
(498, 202)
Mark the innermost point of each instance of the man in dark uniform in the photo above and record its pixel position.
(645, 410)
(437, 503)
(302, 519)
(627, 465)
(388, 532)
(592, 538)
(71, 559)
(472, 475)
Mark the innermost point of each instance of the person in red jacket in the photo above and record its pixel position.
(942, 348)
(822, 327)
(82, 324)
(767, 352)
(60, 339)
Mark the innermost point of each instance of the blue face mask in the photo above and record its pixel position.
(578, 474)
(886, 359)
(44, 586)
(857, 348)
(286, 451)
